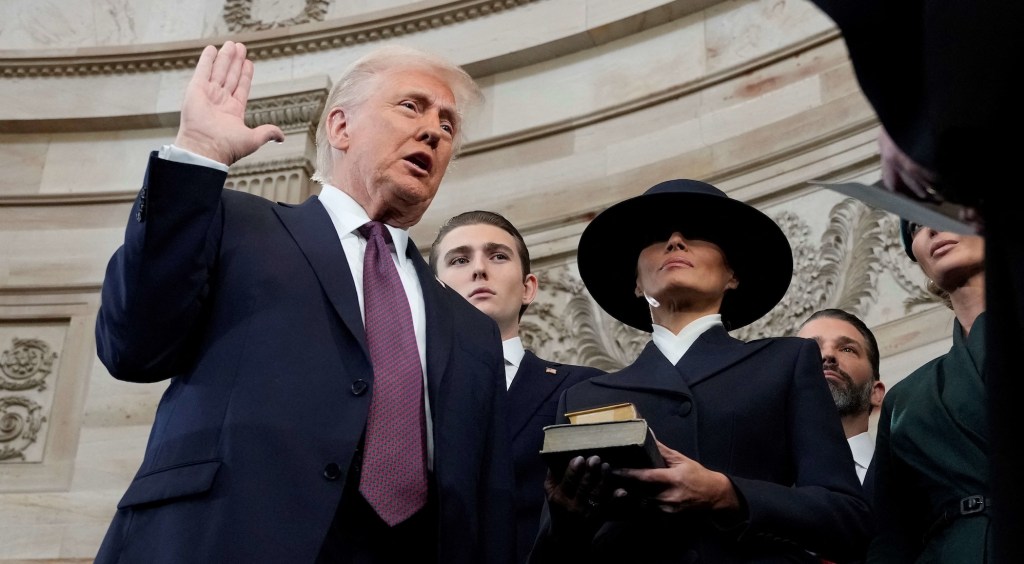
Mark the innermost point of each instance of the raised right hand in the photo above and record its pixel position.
(213, 112)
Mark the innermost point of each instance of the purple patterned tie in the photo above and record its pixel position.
(394, 475)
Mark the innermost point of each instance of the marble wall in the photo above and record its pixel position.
(588, 102)
(56, 24)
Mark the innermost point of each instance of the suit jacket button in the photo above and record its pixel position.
(332, 472)
(359, 387)
(685, 407)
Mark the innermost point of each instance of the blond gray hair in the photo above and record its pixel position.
(356, 83)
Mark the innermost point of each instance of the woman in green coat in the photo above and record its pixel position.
(929, 482)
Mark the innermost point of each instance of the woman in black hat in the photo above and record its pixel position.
(758, 465)
(930, 481)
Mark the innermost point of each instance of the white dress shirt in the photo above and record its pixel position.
(863, 447)
(514, 353)
(674, 346)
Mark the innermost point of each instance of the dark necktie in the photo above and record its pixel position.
(394, 473)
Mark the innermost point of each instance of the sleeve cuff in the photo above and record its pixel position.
(179, 155)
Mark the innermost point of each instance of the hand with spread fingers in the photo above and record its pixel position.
(213, 111)
(684, 484)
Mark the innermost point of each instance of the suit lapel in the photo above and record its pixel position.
(532, 386)
(651, 372)
(312, 230)
(713, 352)
(440, 323)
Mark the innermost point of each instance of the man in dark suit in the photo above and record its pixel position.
(757, 467)
(261, 448)
(850, 363)
(483, 257)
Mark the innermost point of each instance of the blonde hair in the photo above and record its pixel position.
(939, 293)
(356, 83)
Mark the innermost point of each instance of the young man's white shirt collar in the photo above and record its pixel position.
(674, 346)
(514, 353)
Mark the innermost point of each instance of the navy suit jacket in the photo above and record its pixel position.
(760, 413)
(533, 399)
(249, 308)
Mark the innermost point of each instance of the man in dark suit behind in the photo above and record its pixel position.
(255, 313)
(482, 256)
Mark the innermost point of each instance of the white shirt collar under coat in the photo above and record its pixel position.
(863, 447)
(674, 346)
(347, 216)
(514, 353)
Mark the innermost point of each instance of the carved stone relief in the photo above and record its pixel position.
(20, 422)
(24, 368)
(238, 15)
(26, 365)
(840, 270)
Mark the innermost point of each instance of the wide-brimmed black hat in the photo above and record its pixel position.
(754, 246)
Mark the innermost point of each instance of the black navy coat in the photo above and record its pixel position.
(760, 413)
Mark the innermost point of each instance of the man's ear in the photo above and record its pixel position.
(337, 129)
(877, 393)
(733, 283)
(530, 286)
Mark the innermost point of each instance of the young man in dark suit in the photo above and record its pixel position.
(295, 427)
(483, 257)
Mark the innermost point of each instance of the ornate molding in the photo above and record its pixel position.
(238, 15)
(26, 365)
(293, 112)
(20, 422)
(840, 270)
(270, 167)
(282, 180)
(269, 44)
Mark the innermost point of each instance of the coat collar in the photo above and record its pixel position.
(711, 353)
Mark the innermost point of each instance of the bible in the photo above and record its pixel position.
(617, 433)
